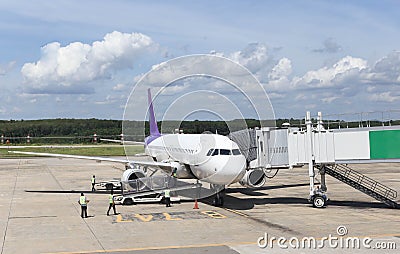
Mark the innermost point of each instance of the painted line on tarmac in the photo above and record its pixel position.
(158, 248)
(238, 213)
(33, 217)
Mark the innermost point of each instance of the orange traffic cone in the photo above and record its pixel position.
(196, 205)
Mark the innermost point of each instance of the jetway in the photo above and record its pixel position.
(277, 148)
(274, 148)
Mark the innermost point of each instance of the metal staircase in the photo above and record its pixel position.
(362, 183)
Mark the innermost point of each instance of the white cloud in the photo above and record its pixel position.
(345, 68)
(384, 97)
(276, 95)
(386, 70)
(82, 99)
(253, 56)
(283, 68)
(329, 99)
(108, 100)
(343, 84)
(256, 58)
(78, 62)
(119, 87)
(5, 68)
(16, 110)
(31, 98)
(279, 75)
(329, 46)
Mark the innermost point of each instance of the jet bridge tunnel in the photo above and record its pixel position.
(273, 148)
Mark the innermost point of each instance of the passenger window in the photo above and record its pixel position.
(210, 152)
(236, 152)
(225, 152)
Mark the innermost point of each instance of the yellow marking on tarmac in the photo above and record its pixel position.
(157, 248)
(169, 217)
(214, 214)
(119, 219)
(172, 216)
(144, 217)
(238, 213)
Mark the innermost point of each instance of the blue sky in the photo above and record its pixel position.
(62, 59)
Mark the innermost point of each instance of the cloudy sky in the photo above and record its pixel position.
(81, 59)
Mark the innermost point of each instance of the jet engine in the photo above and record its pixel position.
(132, 174)
(128, 180)
(253, 178)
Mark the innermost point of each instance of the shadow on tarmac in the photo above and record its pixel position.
(253, 197)
(72, 191)
(249, 203)
(254, 192)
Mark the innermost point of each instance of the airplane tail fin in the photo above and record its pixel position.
(152, 119)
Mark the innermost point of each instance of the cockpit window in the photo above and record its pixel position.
(225, 152)
(213, 152)
(236, 152)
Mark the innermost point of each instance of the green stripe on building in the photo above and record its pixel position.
(384, 144)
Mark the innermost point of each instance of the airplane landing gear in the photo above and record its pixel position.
(218, 200)
(219, 195)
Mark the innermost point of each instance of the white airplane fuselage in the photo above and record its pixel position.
(208, 157)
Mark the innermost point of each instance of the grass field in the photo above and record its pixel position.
(116, 150)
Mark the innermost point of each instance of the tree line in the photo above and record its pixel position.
(82, 130)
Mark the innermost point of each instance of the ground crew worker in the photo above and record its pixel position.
(167, 195)
(83, 202)
(93, 183)
(174, 176)
(112, 204)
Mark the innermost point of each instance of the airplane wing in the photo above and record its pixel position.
(99, 159)
(123, 142)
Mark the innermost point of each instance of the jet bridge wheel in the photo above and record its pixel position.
(318, 201)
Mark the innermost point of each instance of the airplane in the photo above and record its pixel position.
(210, 158)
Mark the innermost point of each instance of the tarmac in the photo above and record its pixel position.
(40, 214)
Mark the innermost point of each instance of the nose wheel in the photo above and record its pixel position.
(218, 200)
(219, 196)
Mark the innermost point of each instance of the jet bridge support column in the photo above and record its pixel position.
(320, 127)
(323, 182)
(310, 153)
(317, 195)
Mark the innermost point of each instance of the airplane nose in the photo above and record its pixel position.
(227, 170)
